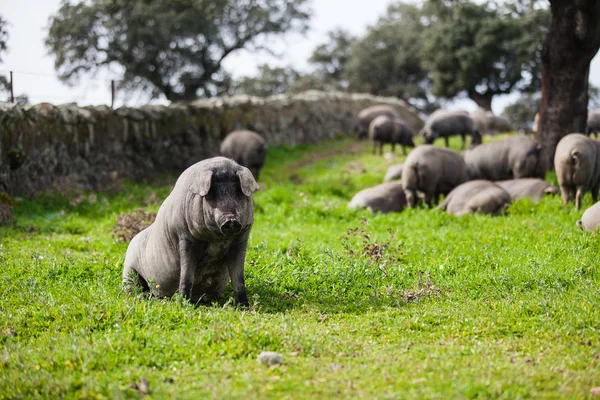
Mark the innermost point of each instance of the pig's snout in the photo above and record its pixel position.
(230, 226)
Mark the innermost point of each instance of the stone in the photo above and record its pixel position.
(270, 358)
(86, 143)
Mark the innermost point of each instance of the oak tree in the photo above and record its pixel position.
(174, 48)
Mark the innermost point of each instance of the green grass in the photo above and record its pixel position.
(412, 305)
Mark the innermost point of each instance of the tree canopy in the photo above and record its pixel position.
(522, 112)
(3, 47)
(482, 49)
(171, 48)
(442, 48)
(268, 81)
(3, 36)
(387, 60)
(331, 59)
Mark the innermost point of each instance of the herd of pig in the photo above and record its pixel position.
(197, 243)
(484, 178)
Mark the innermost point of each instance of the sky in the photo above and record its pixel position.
(34, 74)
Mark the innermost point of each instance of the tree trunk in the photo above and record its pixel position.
(482, 100)
(572, 42)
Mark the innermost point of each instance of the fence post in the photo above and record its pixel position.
(112, 94)
(12, 92)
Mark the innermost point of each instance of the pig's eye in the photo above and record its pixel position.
(238, 191)
(210, 195)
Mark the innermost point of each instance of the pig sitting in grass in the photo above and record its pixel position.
(198, 241)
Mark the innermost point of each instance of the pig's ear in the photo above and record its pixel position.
(249, 185)
(201, 184)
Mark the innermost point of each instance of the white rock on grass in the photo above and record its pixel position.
(270, 358)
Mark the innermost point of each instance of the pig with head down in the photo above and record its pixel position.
(497, 124)
(593, 123)
(367, 115)
(198, 241)
(384, 129)
(445, 123)
(533, 188)
(478, 196)
(385, 197)
(433, 171)
(509, 158)
(247, 148)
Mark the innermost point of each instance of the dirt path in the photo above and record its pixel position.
(353, 148)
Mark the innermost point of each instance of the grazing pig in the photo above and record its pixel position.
(198, 240)
(393, 173)
(443, 123)
(534, 188)
(593, 123)
(479, 196)
(383, 130)
(369, 114)
(577, 165)
(503, 124)
(386, 197)
(247, 148)
(497, 124)
(479, 120)
(433, 171)
(509, 158)
(590, 220)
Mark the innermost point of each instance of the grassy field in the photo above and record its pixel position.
(412, 305)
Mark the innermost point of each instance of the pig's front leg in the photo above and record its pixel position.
(188, 260)
(234, 260)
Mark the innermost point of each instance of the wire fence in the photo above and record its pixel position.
(31, 87)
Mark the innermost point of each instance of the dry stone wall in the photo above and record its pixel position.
(46, 147)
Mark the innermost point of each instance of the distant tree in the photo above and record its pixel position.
(268, 81)
(387, 61)
(522, 112)
(483, 49)
(4, 85)
(572, 42)
(21, 99)
(174, 48)
(532, 18)
(3, 36)
(331, 59)
(311, 81)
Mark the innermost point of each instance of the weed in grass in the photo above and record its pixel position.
(130, 224)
